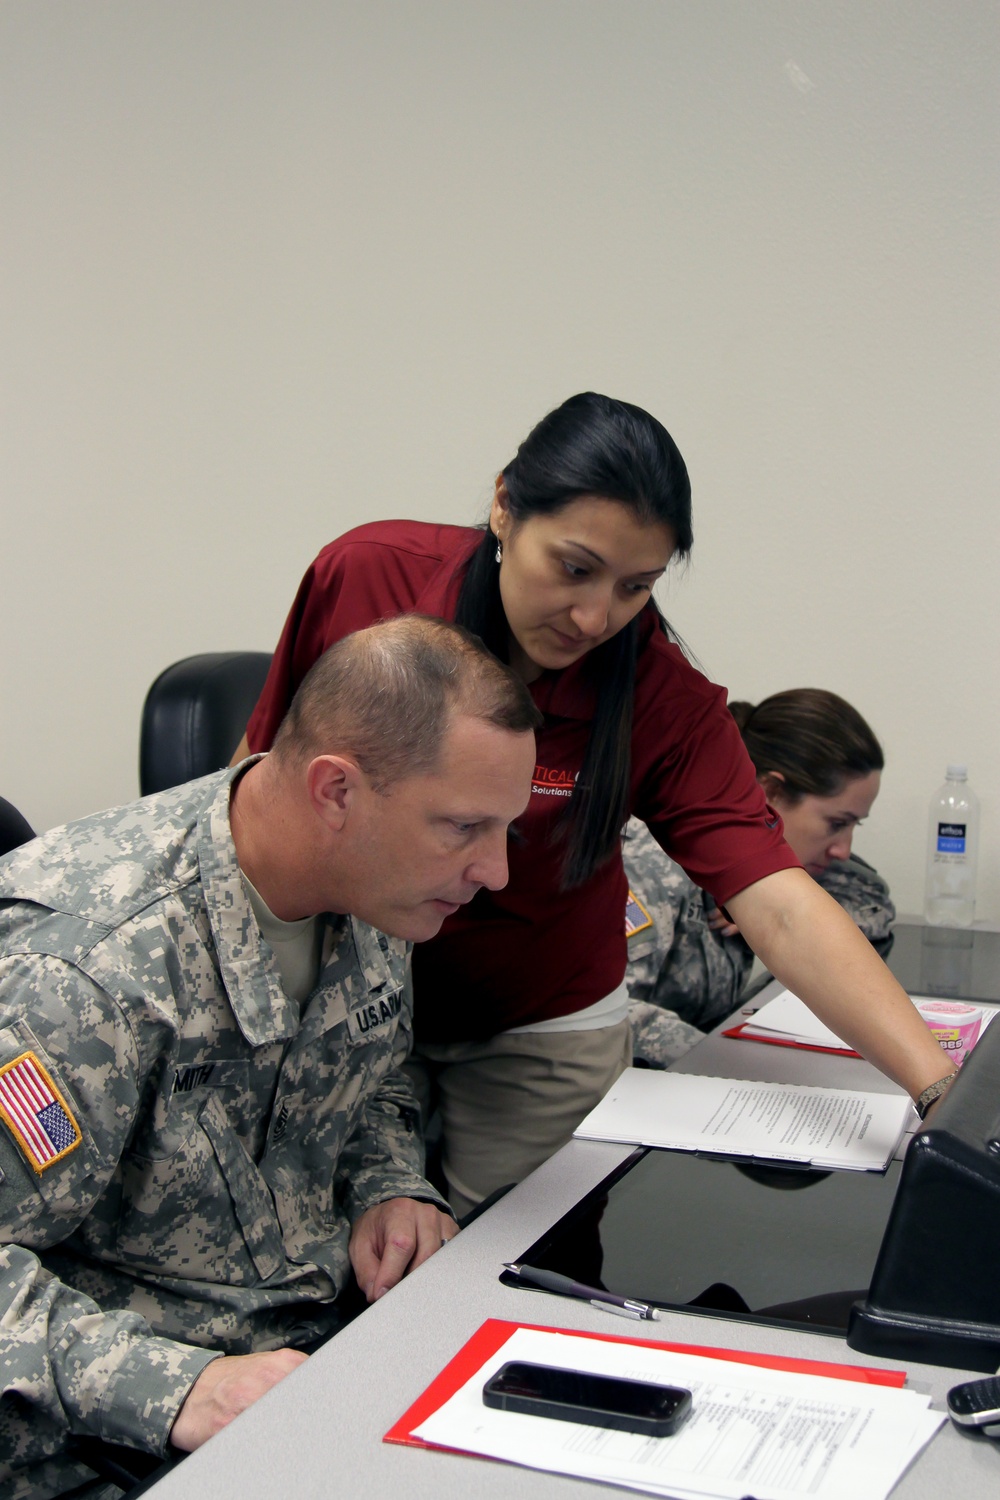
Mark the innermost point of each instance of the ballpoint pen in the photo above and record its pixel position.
(551, 1281)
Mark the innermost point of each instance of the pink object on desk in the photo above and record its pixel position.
(955, 1025)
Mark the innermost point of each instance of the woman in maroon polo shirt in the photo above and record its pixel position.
(521, 1011)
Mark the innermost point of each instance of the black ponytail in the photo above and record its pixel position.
(591, 445)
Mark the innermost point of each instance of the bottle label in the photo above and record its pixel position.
(951, 838)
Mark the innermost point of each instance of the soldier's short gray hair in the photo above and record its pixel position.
(386, 695)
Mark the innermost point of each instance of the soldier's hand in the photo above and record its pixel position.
(721, 924)
(225, 1388)
(395, 1237)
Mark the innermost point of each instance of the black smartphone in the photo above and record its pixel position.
(977, 1404)
(597, 1400)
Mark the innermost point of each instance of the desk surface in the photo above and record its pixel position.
(318, 1434)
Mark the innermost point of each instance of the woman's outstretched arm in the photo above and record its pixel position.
(811, 944)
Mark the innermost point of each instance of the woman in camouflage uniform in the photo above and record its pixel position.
(819, 764)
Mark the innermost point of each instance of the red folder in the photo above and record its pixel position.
(739, 1032)
(495, 1332)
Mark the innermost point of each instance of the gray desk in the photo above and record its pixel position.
(318, 1434)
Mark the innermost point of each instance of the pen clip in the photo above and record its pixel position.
(643, 1309)
(619, 1312)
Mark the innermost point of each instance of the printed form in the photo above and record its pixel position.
(771, 1434)
(801, 1123)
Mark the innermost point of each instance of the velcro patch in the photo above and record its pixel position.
(194, 1077)
(637, 918)
(38, 1116)
(376, 1013)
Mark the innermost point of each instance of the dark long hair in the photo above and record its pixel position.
(816, 740)
(591, 445)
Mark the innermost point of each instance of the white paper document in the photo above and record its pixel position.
(772, 1434)
(786, 1018)
(780, 1122)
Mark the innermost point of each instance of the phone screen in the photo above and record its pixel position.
(575, 1395)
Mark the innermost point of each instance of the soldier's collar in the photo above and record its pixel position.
(381, 959)
(263, 1011)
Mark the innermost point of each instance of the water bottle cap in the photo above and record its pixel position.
(956, 773)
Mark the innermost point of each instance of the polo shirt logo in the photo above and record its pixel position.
(376, 1013)
(552, 783)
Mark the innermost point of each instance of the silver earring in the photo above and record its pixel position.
(499, 553)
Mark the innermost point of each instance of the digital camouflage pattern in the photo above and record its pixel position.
(227, 1142)
(864, 895)
(682, 976)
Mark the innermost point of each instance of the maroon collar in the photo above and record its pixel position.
(439, 596)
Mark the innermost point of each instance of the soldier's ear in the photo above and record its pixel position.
(333, 783)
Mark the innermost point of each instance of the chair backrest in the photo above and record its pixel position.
(195, 714)
(15, 830)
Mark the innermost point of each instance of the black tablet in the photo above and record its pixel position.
(786, 1246)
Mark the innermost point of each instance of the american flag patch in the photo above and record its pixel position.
(637, 918)
(36, 1112)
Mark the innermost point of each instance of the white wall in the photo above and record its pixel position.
(274, 267)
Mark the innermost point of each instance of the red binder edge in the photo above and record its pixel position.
(495, 1332)
(740, 1033)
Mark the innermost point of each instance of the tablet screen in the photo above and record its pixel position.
(793, 1247)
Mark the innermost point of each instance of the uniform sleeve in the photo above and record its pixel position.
(686, 968)
(659, 1037)
(703, 973)
(73, 1367)
(864, 895)
(384, 1157)
(655, 883)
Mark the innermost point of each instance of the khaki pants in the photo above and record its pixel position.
(508, 1103)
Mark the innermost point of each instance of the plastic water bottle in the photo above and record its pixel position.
(952, 843)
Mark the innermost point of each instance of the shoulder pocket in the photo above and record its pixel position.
(41, 1116)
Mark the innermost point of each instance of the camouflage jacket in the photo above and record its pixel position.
(682, 976)
(205, 1147)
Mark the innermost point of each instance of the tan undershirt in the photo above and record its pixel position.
(296, 946)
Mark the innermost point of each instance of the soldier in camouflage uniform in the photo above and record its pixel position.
(819, 763)
(196, 1145)
(682, 976)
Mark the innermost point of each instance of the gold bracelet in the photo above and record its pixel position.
(933, 1091)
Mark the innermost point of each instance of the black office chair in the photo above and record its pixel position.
(195, 714)
(15, 830)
